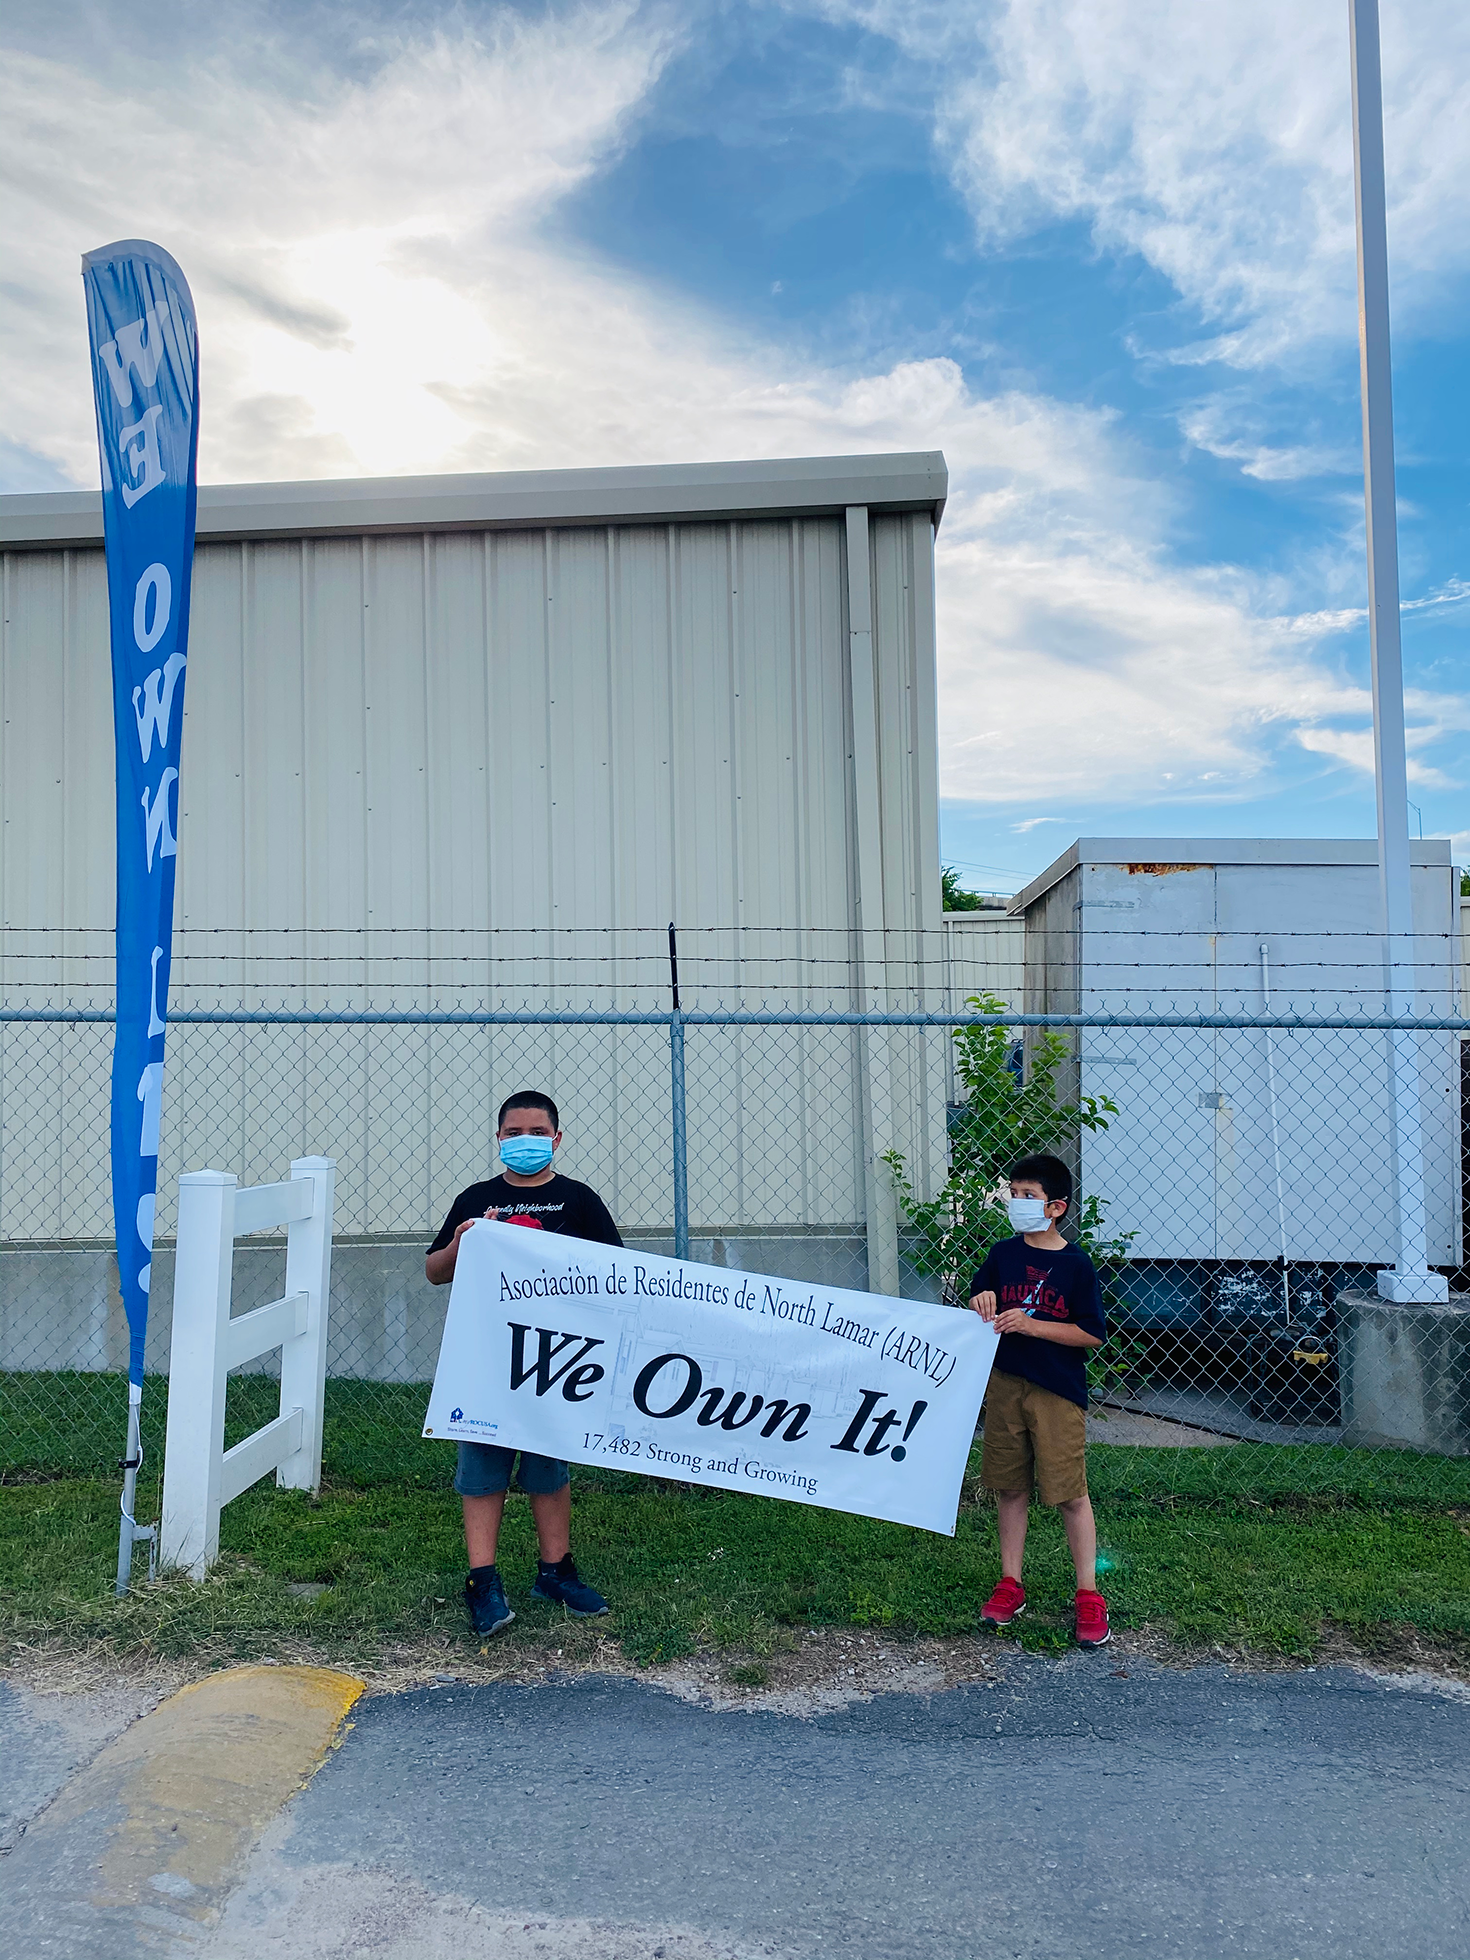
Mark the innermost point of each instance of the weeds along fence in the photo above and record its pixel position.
(1234, 1176)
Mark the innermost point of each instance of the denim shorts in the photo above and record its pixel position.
(484, 1471)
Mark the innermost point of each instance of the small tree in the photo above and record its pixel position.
(956, 898)
(1003, 1117)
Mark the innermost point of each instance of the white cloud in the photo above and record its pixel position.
(1428, 719)
(377, 295)
(1215, 143)
(1224, 428)
(1076, 662)
(352, 249)
(1212, 140)
(1453, 593)
(1354, 746)
(1317, 626)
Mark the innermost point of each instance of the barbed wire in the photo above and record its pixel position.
(1366, 933)
(775, 1015)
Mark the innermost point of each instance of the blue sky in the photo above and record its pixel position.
(1099, 251)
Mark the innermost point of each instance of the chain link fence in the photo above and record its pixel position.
(1235, 1188)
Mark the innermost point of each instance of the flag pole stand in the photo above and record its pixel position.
(130, 1532)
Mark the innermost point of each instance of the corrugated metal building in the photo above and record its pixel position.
(987, 955)
(575, 699)
(483, 736)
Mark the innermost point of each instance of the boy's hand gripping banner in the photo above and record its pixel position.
(851, 1401)
(145, 377)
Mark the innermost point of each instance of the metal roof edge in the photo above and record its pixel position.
(1028, 894)
(644, 493)
(1426, 852)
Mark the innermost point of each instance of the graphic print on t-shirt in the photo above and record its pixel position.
(562, 1205)
(1053, 1286)
(1035, 1295)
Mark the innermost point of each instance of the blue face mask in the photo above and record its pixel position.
(1025, 1214)
(525, 1155)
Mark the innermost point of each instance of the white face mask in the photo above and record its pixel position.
(1027, 1214)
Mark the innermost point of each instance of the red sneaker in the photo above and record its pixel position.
(1004, 1604)
(1092, 1620)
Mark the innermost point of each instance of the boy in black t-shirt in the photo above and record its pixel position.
(528, 1192)
(1044, 1298)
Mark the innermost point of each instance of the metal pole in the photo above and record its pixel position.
(1410, 1279)
(874, 1055)
(129, 1495)
(130, 1532)
(676, 1082)
(1275, 1131)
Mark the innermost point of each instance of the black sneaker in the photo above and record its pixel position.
(485, 1601)
(560, 1585)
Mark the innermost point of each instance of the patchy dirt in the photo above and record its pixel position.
(1394, 1652)
(809, 1672)
(1130, 1429)
(816, 1670)
(826, 1669)
(137, 1682)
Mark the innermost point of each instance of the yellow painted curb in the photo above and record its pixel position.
(190, 1787)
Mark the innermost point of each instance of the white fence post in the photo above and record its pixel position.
(188, 1532)
(200, 1476)
(304, 1357)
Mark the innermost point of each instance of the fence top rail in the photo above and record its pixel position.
(782, 1017)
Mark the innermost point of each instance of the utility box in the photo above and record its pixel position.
(1241, 1144)
(1405, 1373)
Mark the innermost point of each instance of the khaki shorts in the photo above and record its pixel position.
(1029, 1430)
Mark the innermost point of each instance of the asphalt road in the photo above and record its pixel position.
(1068, 1809)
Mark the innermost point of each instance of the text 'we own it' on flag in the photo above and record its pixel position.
(145, 375)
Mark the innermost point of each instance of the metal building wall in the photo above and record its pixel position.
(987, 955)
(404, 750)
(550, 728)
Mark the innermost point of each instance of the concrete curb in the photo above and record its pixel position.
(145, 1842)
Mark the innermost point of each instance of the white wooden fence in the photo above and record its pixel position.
(200, 1476)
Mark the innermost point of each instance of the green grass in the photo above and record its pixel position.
(75, 1425)
(1250, 1545)
(1277, 1471)
(690, 1569)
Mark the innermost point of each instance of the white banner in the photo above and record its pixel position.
(851, 1401)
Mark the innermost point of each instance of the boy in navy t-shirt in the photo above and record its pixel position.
(529, 1191)
(1043, 1296)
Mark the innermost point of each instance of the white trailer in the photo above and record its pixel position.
(1239, 1145)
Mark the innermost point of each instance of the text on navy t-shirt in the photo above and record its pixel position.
(1050, 1286)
